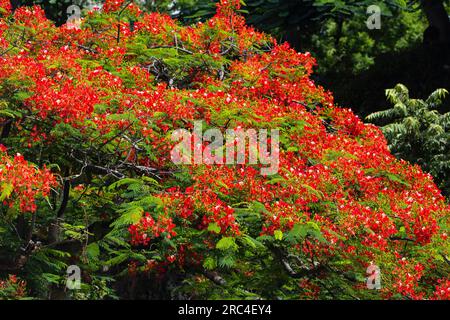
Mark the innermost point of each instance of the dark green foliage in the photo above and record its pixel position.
(418, 133)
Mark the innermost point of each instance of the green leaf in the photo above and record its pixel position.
(117, 260)
(226, 243)
(209, 263)
(227, 261)
(301, 231)
(258, 207)
(276, 180)
(9, 113)
(51, 278)
(131, 216)
(93, 251)
(125, 181)
(7, 189)
(278, 234)
(22, 95)
(214, 227)
(251, 242)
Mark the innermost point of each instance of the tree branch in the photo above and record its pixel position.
(215, 277)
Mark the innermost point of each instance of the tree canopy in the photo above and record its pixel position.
(86, 176)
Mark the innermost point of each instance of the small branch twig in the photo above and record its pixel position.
(215, 277)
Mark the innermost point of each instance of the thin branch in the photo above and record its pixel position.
(402, 239)
(447, 260)
(215, 277)
(120, 13)
(65, 199)
(172, 47)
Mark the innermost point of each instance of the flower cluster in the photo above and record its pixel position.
(147, 229)
(12, 288)
(442, 290)
(5, 7)
(21, 183)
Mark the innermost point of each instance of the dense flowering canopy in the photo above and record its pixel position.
(101, 101)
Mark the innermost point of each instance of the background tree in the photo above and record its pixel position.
(417, 132)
